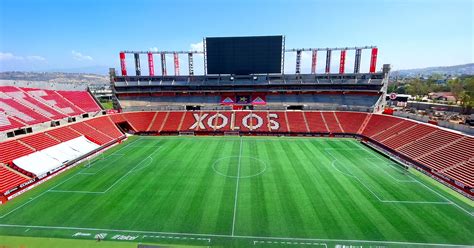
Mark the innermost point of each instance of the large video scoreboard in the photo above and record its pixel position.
(244, 55)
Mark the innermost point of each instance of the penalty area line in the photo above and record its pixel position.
(379, 198)
(148, 158)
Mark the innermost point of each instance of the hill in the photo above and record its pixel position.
(456, 70)
(54, 77)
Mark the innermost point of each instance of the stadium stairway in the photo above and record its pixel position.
(333, 124)
(297, 122)
(316, 122)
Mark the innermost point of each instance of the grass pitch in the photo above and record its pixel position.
(250, 191)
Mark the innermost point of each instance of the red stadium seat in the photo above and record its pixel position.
(332, 123)
(81, 99)
(10, 179)
(297, 122)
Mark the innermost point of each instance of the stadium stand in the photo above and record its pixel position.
(226, 114)
(429, 143)
(350, 121)
(173, 122)
(63, 134)
(23, 98)
(25, 114)
(105, 125)
(12, 149)
(440, 151)
(333, 123)
(10, 179)
(157, 121)
(8, 122)
(297, 122)
(403, 138)
(39, 141)
(462, 172)
(81, 99)
(22, 106)
(139, 121)
(452, 153)
(55, 101)
(378, 124)
(393, 130)
(316, 122)
(91, 133)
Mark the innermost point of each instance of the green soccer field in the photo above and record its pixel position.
(243, 192)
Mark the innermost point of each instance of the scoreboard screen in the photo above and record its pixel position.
(244, 55)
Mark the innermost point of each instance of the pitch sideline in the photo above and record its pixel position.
(230, 236)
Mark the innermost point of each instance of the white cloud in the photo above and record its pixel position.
(35, 58)
(153, 49)
(9, 56)
(13, 57)
(197, 46)
(80, 57)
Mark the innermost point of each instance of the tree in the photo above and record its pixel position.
(466, 102)
(456, 88)
(417, 88)
(391, 88)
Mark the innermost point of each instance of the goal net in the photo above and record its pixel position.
(234, 133)
(92, 160)
(186, 133)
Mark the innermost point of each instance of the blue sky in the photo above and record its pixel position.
(52, 34)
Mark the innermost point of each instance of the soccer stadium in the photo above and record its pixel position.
(244, 155)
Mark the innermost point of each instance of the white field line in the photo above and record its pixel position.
(229, 236)
(57, 185)
(373, 193)
(455, 204)
(38, 196)
(148, 158)
(130, 171)
(371, 160)
(208, 240)
(237, 189)
(24, 204)
(108, 163)
(74, 191)
(147, 146)
(434, 191)
(269, 242)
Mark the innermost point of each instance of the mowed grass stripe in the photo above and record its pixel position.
(300, 194)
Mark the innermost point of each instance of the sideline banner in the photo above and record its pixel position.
(244, 100)
(259, 100)
(227, 100)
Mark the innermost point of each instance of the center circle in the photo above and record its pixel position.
(229, 166)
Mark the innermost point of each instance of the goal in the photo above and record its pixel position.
(186, 133)
(94, 159)
(232, 133)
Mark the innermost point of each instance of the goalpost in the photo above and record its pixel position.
(232, 133)
(186, 133)
(91, 160)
